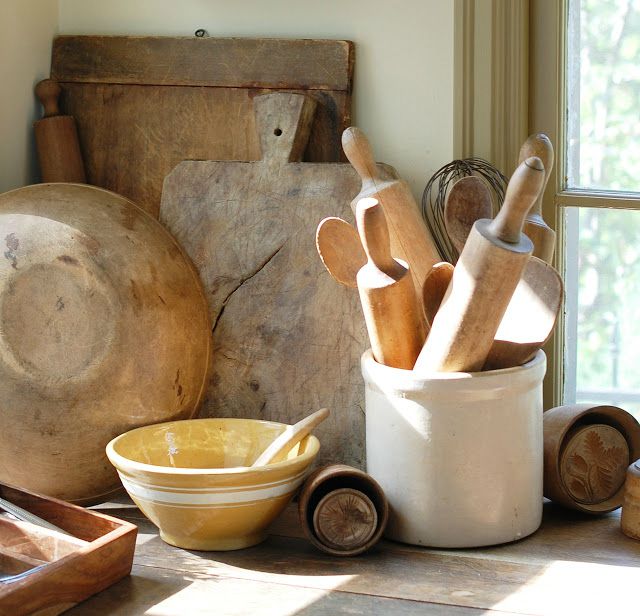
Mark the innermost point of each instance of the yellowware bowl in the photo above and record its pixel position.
(192, 479)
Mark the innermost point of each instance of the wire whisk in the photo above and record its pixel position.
(435, 194)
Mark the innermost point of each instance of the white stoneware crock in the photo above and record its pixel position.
(458, 455)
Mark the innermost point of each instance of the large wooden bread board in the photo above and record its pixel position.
(143, 104)
(287, 338)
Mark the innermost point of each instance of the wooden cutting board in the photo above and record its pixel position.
(287, 337)
(143, 104)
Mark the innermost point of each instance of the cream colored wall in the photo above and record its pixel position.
(403, 95)
(27, 28)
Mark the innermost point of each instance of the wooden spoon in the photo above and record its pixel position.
(434, 287)
(530, 317)
(291, 436)
(340, 250)
(468, 200)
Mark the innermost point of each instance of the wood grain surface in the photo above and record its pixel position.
(103, 328)
(287, 337)
(103, 554)
(575, 564)
(143, 104)
(483, 282)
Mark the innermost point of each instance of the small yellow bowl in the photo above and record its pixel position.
(192, 479)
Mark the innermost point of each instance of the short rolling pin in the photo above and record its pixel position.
(57, 139)
(483, 281)
(410, 238)
(393, 315)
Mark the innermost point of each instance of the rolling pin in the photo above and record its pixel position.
(483, 281)
(410, 238)
(538, 231)
(392, 313)
(57, 139)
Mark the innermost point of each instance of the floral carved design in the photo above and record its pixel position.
(594, 463)
(345, 519)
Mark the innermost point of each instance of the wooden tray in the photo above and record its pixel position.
(62, 576)
(144, 104)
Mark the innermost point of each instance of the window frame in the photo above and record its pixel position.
(548, 23)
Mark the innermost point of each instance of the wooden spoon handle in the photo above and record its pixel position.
(374, 235)
(291, 436)
(523, 189)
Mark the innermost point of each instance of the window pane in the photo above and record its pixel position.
(603, 95)
(602, 278)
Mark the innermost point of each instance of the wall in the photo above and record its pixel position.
(26, 30)
(403, 94)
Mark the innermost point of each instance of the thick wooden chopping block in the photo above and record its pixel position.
(145, 103)
(287, 339)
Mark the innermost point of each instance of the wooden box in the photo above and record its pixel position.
(61, 577)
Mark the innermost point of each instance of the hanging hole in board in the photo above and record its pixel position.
(277, 132)
(201, 33)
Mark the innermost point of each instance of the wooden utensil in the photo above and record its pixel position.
(145, 103)
(61, 571)
(542, 236)
(340, 250)
(587, 449)
(483, 281)
(410, 238)
(630, 518)
(285, 335)
(530, 318)
(468, 200)
(435, 288)
(343, 511)
(57, 139)
(291, 437)
(391, 311)
(533, 310)
(103, 328)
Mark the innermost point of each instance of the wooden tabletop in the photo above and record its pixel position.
(575, 564)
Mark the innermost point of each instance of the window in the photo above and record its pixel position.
(597, 199)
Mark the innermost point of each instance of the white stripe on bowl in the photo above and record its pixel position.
(222, 489)
(218, 497)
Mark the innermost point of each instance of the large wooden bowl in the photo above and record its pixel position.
(103, 328)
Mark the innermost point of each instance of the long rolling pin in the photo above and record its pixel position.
(392, 312)
(410, 238)
(483, 281)
(57, 139)
(538, 231)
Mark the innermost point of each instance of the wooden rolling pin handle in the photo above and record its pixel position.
(48, 92)
(538, 145)
(522, 191)
(374, 234)
(358, 151)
